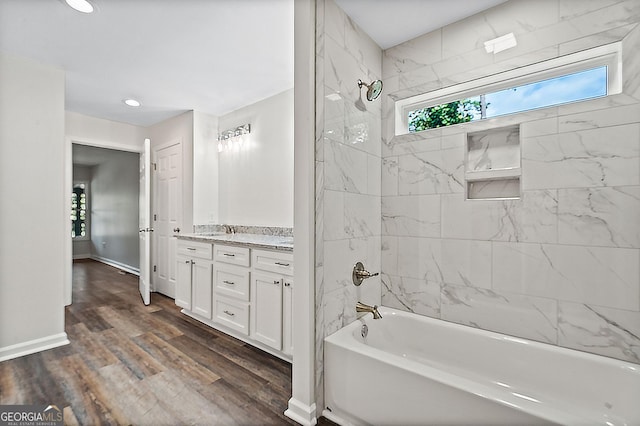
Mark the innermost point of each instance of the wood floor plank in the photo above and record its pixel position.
(244, 380)
(87, 396)
(90, 318)
(260, 363)
(167, 354)
(185, 402)
(135, 397)
(89, 347)
(120, 321)
(188, 326)
(146, 365)
(242, 408)
(10, 389)
(130, 355)
(163, 329)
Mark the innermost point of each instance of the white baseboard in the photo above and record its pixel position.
(33, 346)
(81, 256)
(301, 413)
(116, 264)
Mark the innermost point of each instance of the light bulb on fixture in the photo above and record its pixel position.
(233, 139)
(80, 5)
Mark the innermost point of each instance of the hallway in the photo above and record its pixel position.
(147, 365)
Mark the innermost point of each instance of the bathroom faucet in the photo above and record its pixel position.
(361, 307)
(229, 229)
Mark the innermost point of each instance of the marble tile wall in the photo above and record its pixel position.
(560, 265)
(348, 173)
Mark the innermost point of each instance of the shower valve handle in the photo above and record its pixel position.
(360, 274)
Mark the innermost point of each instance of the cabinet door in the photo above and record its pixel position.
(287, 316)
(202, 282)
(266, 313)
(183, 283)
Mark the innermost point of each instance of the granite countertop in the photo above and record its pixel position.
(272, 242)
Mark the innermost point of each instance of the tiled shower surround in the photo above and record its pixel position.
(561, 264)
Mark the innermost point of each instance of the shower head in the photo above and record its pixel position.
(373, 90)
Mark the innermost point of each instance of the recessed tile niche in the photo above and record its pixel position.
(492, 166)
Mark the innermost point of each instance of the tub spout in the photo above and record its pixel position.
(361, 307)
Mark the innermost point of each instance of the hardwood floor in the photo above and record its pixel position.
(146, 365)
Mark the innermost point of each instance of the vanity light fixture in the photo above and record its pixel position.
(132, 102)
(233, 139)
(80, 5)
(501, 43)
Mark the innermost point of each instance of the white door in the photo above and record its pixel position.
(144, 222)
(167, 216)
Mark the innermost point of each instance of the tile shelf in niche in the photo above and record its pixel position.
(492, 164)
(493, 174)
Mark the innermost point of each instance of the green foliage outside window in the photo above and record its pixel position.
(455, 112)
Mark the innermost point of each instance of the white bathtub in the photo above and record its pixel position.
(414, 370)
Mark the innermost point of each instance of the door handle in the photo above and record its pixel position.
(176, 230)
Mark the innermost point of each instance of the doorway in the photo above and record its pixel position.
(109, 208)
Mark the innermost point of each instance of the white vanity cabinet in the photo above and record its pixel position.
(240, 290)
(231, 287)
(194, 277)
(271, 283)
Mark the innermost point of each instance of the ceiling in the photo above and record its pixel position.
(213, 56)
(391, 22)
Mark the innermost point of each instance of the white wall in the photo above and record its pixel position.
(255, 184)
(99, 132)
(114, 208)
(82, 248)
(33, 212)
(205, 169)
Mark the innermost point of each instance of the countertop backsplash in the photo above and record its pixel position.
(244, 229)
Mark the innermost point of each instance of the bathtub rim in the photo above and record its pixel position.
(557, 413)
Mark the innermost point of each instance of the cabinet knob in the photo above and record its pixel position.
(176, 230)
(286, 284)
(276, 281)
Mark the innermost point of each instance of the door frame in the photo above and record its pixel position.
(68, 182)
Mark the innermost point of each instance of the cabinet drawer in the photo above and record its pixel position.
(233, 314)
(273, 261)
(194, 249)
(230, 254)
(232, 281)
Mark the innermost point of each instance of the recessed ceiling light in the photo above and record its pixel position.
(132, 102)
(80, 5)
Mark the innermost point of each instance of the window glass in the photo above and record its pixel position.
(79, 204)
(573, 87)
